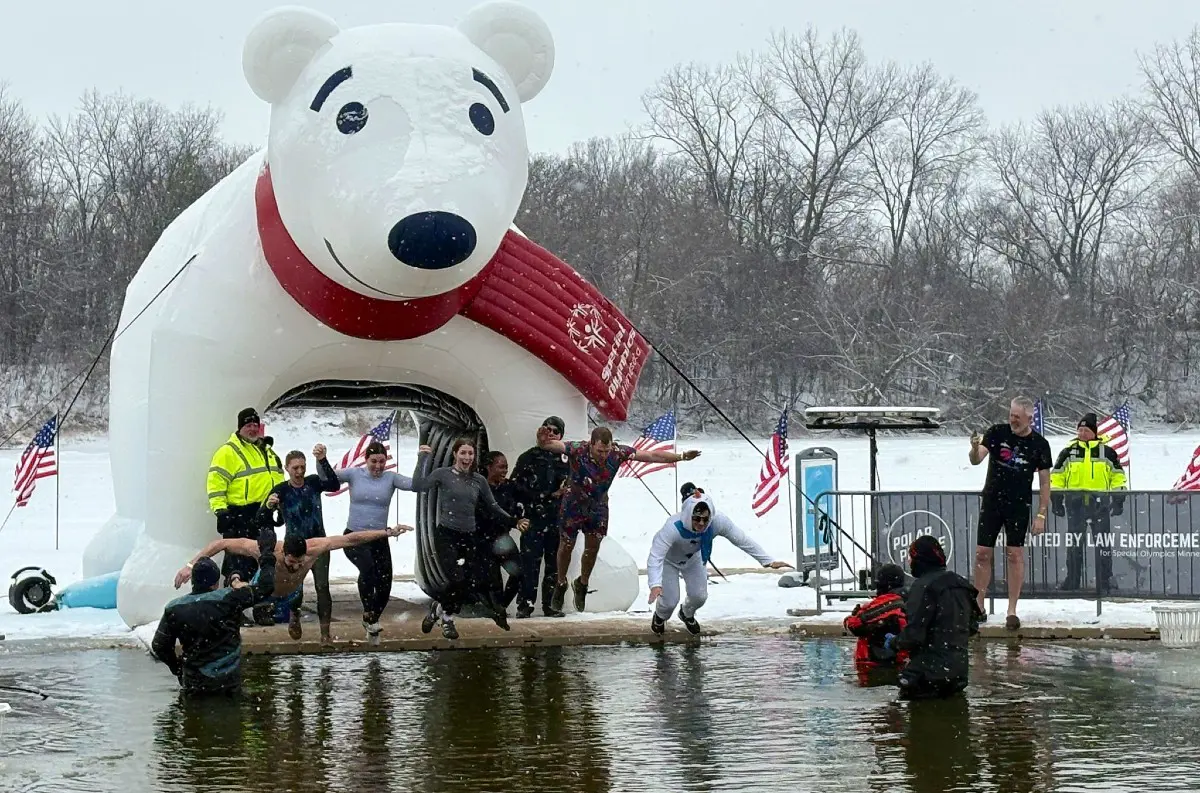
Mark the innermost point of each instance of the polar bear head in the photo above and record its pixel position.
(397, 152)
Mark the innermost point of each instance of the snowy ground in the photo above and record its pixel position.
(728, 469)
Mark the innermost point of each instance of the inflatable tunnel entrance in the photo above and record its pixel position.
(440, 418)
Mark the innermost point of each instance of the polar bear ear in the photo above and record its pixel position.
(515, 37)
(280, 45)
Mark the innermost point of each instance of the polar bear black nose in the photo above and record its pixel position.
(432, 240)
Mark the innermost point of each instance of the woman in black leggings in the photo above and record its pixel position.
(460, 491)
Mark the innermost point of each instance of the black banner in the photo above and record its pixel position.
(1150, 549)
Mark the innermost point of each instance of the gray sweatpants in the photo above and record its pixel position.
(695, 580)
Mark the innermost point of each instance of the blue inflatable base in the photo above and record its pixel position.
(99, 592)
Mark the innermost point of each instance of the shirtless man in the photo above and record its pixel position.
(295, 556)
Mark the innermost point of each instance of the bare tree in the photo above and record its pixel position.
(1172, 81)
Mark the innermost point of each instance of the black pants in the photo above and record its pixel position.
(1077, 524)
(458, 555)
(320, 572)
(493, 555)
(374, 563)
(242, 523)
(539, 545)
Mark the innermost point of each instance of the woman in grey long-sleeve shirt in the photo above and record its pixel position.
(371, 491)
(460, 491)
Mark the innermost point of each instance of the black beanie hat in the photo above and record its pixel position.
(888, 578)
(925, 554)
(686, 490)
(1090, 421)
(247, 416)
(205, 574)
(556, 423)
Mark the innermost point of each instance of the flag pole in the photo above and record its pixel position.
(57, 476)
(675, 416)
(9, 515)
(396, 450)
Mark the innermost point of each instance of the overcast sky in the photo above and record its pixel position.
(1018, 55)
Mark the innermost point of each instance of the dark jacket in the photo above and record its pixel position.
(942, 616)
(487, 523)
(537, 476)
(208, 625)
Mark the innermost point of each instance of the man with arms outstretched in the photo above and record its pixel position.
(295, 557)
(1014, 451)
(591, 467)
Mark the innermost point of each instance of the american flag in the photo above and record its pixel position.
(775, 468)
(37, 462)
(1115, 431)
(1039, 418)
(660, 435)
(356, 457)
(1190, 478)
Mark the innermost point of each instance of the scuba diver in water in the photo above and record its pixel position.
(682, 548)
(294, 557)
(872, 621)
(207, 622)
(942, 617)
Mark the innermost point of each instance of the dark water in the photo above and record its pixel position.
(759, 714)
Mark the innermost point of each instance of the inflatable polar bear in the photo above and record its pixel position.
(367, 256)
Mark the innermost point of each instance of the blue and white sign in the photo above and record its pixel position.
(818, 477)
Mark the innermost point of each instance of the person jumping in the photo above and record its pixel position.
(591, 465)
(682, 548)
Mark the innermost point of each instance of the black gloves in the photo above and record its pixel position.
(1118, 506)
(224, 522)
(1056, 503)
(266, 542)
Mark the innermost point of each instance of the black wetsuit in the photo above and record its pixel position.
(538, 475)
(208, 625)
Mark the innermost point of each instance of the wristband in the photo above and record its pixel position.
(189, 565)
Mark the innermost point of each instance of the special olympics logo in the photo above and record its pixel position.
(913, 524)
(586, 327)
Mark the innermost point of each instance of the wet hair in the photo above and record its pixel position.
(374, 448)
(888, 578)
(294, 545)
(601, 435)
(461, 442)
(205, 574)
(293, 455)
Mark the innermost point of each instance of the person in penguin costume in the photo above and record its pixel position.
(681, 549)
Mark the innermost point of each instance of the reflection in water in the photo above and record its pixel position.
(685, 713)
(766, 714)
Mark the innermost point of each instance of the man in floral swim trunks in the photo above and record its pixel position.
(592, 466)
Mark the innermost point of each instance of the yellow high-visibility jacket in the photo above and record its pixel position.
(242, 473)
(1087, 465)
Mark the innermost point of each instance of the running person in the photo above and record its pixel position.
(296, 504)
(294, 557)
(371, 490)
(682, 548)
(591, 467)
(207, 622)
(1014, 450)
(460, 492)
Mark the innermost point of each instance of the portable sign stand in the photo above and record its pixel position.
(871, 420)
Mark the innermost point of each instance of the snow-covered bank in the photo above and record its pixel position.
(728, 469)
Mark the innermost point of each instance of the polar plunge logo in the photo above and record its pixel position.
(913, 524)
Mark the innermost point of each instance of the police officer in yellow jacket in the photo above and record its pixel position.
(242, 472)
(1086, 470)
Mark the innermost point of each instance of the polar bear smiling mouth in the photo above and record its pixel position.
(346, 270)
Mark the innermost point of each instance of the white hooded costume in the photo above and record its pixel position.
(678, 551)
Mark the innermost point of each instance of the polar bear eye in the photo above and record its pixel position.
(351, 118)
(482, 119)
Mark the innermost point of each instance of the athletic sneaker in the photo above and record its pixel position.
(524, 611)
(500, 617)
(689, 623)
(552, 612)
(657, 625)
(580, 591)
(373, 630)
(448, 629)
(431, 618)
(559, 597)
